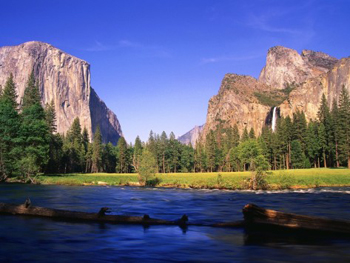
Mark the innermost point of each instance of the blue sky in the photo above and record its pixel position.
(156, 63)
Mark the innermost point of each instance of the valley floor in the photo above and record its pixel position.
(276, 180)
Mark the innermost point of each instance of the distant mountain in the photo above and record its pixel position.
(290, 81)
(64, 79)
(191, 136)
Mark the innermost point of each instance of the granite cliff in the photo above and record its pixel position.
(192, 136)
(63, 79)
(289, 81)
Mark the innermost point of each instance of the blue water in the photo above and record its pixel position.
(27, 239)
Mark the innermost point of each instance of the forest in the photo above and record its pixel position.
(29, 143)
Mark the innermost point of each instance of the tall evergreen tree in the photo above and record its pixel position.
(335, 130)
(96, 158)
(210, 149)
(344, 126)
(174, 153)
(34, 131)
(109, 159)
(137, 154)
(9, 128)
(9, 92)
(50, 116)
(324, 117)
(122, 156)
(252, 133)
(322, 139)
(245, 135)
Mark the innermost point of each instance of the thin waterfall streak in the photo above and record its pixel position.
(274, 117)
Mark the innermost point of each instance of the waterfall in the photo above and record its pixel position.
(274, 118)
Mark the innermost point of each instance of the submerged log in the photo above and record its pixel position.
(100, 216)
(258, 217)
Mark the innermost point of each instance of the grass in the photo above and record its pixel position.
(281, 179)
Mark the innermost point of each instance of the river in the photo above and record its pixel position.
(26, 239)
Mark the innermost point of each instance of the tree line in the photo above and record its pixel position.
(30, 144)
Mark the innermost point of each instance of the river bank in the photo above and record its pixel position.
(276, 180)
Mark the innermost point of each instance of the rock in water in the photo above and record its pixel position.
(64, 79)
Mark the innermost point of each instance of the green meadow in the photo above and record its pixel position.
(280, 179)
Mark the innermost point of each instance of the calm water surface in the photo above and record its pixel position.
(25, 239)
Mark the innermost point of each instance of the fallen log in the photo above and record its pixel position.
(99, 217)
(258, 217)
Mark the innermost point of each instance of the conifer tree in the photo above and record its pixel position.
(335, 130)
(96, 157)
(322, 139)
(9, 92)
(137, 154)
(50, 116)
(235, 136)
(85, 138)
(210, 149)
(162, 148)
(245, 135)
(251, 133)
(324, 117)
(109, 159)
(10, 147)
(344, 126)
(298, 157)
(312, 143)
(34, 131)
(122, 157)
(174, 154)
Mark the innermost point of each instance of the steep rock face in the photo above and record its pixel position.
(314, 74)
(63, 79)
(284, 66)
(237, 104)
(307, 96)
(192, 136)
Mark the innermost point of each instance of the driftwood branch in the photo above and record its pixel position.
(100, 216)
(261, 217)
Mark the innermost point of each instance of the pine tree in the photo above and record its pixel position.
(162, 148)
(322, 139)
(210, 149)
(10, 147)
(235, 136)
(85, 138)
(174, 155)
(31, 93)
(34, 132)
(96, 158)
(324, 117)
(9, 92)
(298, 157)
(152, 147)
(251, 133)
(335, 130)
(137, 154)
(109, 159)
(50, 116)
(74, 132)
(245, 135)
(122, 156)
(312, 143)
(344, 126)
